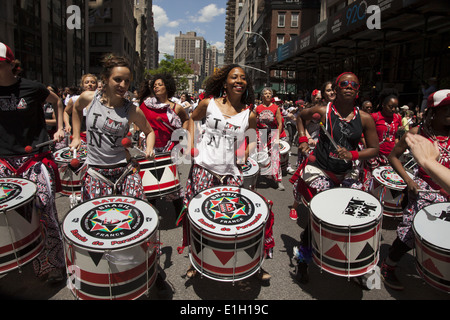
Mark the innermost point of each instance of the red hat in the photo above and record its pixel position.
(439, 98)
(6, 53)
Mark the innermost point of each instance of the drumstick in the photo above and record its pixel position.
(429, 191)
(329, 137)
(75, 162)
(126, 143)
(29, 149)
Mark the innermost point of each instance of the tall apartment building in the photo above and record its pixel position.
(211, 59)
(146, 36)
(229, 31)
(192, 49)
(274, 24)
(112, 29)
(37, 32)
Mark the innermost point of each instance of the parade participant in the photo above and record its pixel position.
(22, 124)
(328, 93)
(269, 119)
(164, 117)
(332, 166)
(88, 82)
(227, 109)
(50, 114)
(436, 128)
(108, 119)
(367, 106)
(387, 123)
(312, 129)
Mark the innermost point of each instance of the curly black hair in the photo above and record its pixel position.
(214, 84)
(147, 86)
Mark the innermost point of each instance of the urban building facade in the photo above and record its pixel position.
(410, 46)
(48, 50)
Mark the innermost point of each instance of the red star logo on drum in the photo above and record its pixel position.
(111, 220)
(4, 192)
(227, 208)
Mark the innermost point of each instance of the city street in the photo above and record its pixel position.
(282, 285)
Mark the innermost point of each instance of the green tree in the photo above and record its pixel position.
(178, 68)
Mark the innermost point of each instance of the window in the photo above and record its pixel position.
(281, 20)
(280, 40)
(294, 20)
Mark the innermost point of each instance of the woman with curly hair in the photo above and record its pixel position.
(163, 115)
(108, 118)
(228, 115)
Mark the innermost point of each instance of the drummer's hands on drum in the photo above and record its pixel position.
(150, 154)
(76, 143)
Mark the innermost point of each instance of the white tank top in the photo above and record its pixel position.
(217, 147)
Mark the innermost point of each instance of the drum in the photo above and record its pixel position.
(227, 227)
(284, 155)
(70, 178)
(263, 160)
(111, 248)
(21, 238)
(388, 186)
(250, 171)
(160, 176)
(431, 227)
(346, 231)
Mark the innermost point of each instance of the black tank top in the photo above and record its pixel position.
(345, 133)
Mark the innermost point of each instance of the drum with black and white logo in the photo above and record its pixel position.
(346, 231)
(251, 172)
(227, 227)
(70, 177)
(111, 248)
(431, 227)
(21, 236)
(388, 186)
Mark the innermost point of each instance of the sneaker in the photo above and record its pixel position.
(55, 276)
(290, 170)
(280, 186)
(301, 272)
(389, 278)
(293, 214)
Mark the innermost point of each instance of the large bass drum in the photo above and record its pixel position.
(346, 231)
(227, 228)
(111, 248)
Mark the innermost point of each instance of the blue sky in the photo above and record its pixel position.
(206, 17)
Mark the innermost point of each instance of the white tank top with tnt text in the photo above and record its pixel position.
(222, 134)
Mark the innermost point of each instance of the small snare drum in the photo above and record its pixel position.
(431, 227)
(227, 228)
(21, 236)
(263, 160)
(70, 178)
(346, 231)
(251, 172)
(284, 155)
(111, 248)
(159, 176)
(388, 186)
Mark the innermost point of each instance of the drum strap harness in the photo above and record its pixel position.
(131, 167)
(45, 158)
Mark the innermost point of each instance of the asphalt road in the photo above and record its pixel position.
(282, 286)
